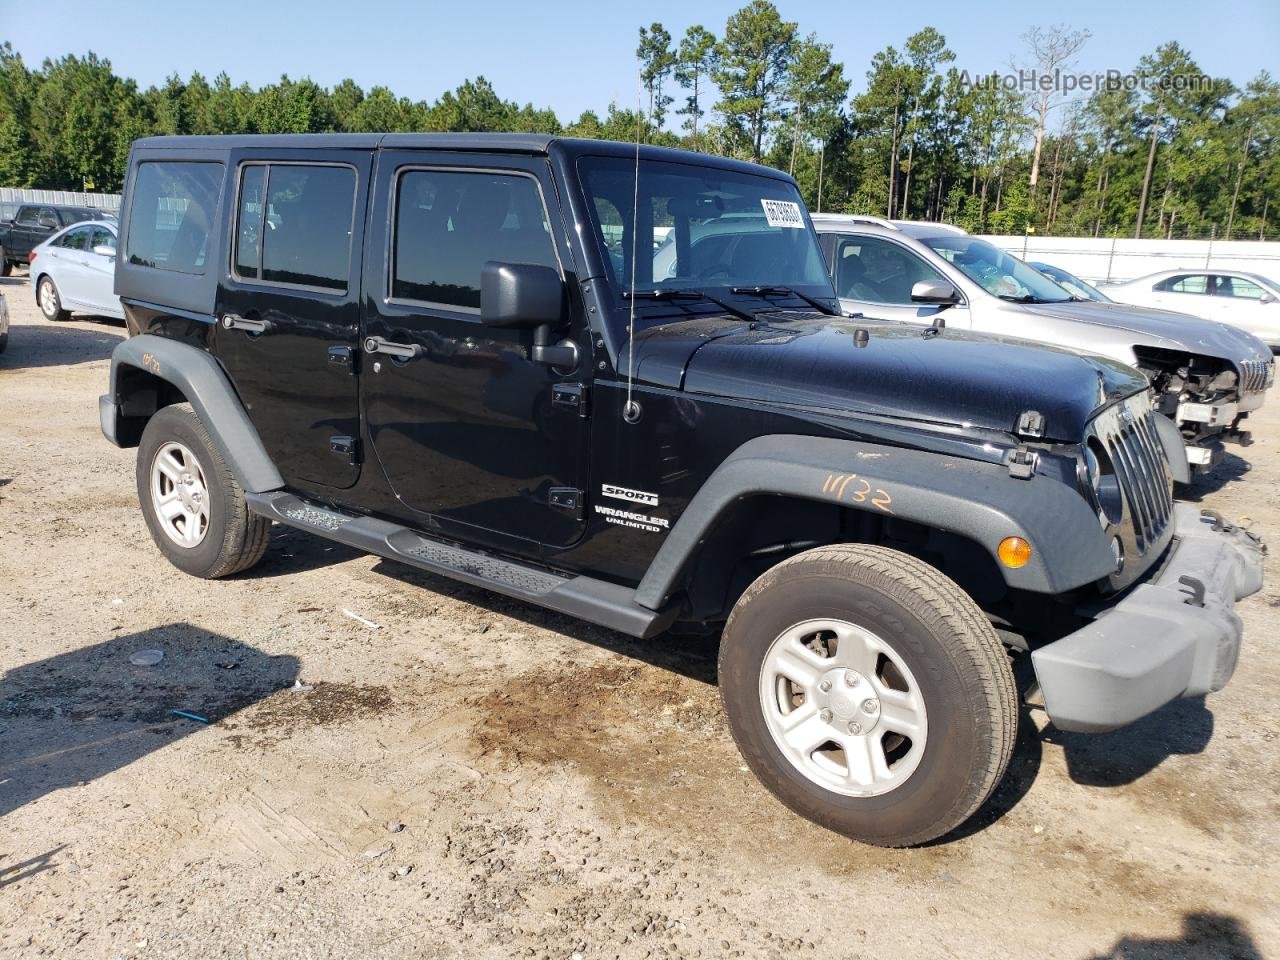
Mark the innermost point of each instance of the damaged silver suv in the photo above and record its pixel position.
(1205, 376)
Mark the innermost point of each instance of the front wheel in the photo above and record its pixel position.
(193, 505)
(869, 693)
(50, 302)
(6, 267)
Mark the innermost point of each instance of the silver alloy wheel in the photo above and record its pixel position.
(48, 298)
(180, 495)
(843, 707)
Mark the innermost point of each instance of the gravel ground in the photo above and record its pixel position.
(478, 778)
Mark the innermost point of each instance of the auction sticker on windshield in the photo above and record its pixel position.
(782, 213)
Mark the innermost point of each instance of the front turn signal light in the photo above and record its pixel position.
(1014, 552)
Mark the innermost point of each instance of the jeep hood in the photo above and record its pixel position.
(1157, 328)
(955, 378)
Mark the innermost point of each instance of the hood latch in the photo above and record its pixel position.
(1022, 463)
(1030, 424)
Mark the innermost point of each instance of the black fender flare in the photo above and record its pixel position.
(971, 498)
(202, 381)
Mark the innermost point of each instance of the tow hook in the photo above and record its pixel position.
(1196, 586)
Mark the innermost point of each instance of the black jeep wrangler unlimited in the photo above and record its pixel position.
(480, 355)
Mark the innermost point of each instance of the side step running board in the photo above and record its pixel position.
(597, 601)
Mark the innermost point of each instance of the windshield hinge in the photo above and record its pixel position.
(1022, 463)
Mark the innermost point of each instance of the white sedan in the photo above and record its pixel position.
(1249, 301)
(75, 269)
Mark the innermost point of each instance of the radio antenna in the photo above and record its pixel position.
(631, 409)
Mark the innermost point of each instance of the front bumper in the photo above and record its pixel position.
(1175, 635)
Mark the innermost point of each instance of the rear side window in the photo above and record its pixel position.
(293, 224)
(171, 213)
(448, 223)
(71, 240)
(1194, 283)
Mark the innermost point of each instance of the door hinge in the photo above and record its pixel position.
(346, 447)
(568, 499)
(570, 396)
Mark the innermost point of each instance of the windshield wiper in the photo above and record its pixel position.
(768, 290)
(685, 294)
(1027, 298)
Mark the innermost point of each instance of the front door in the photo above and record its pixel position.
(874, 277)
(100, 271)
(288, 306)
(475, 438)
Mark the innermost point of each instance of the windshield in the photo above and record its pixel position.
(997, 272)
(1071, 283)
(701, 228)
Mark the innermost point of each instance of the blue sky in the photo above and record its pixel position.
(579, 55)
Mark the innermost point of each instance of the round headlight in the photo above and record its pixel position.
(1104, 485)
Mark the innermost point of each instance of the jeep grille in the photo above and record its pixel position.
(1128, 433)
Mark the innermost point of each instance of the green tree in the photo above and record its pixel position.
(695, 60)
(751, 71)
(657, 60)
(815, 89)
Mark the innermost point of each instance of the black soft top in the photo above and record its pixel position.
(527, 143)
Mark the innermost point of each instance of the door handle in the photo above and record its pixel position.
(401, 351)
(232, 321)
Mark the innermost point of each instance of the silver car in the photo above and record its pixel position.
(1249, 301)
(1205, 376)
(75, 270)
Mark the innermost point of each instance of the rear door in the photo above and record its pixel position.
(67, 267)
(288, 306)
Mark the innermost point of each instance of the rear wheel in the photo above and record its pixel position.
(869, 693)
(50, 302)
(193, 505)
(6, 267)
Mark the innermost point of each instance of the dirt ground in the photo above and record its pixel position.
(478, 778)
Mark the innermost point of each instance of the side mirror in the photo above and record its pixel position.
(48, 223)
(1266, 298)
(934, 291)
(520, 295)
(103, 250)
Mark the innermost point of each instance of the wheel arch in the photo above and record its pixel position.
(150, 372)
(976, 502)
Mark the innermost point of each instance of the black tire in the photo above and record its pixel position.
(235, 539)
(956, 659)
(4, 341)
(6, 267)
(55, 313)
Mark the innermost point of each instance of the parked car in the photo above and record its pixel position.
(4, 323)
(1249, 301)
(1071, 283)
(433, 356)
(74, 271)
(1205, 376)
(35, 223)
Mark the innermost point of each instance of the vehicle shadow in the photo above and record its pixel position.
(294, 551)
(1229, 469)
(80, 715)
(690, 656)
(1205, 936)
(14, 281)
(60, 345)
(1123, 756)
